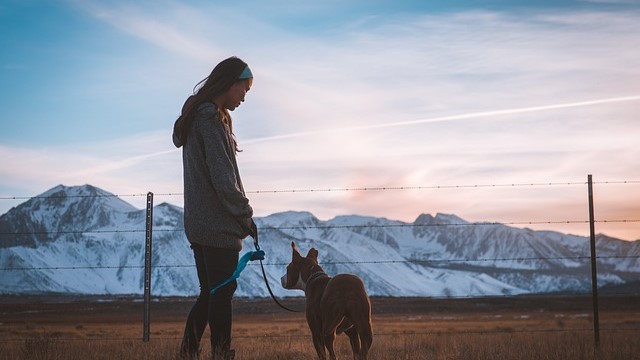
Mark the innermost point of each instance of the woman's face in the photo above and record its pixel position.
(236, 93)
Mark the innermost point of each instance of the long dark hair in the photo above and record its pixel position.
(222, 77)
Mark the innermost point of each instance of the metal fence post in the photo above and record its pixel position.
(147, 268)
(594, 272)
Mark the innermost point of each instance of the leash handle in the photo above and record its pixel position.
(254, 235)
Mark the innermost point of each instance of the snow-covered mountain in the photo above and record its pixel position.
(84, 240)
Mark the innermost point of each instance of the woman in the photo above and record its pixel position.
(217, 214)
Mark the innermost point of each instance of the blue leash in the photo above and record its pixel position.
(242, 263)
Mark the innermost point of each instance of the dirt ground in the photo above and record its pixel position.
(400, 324)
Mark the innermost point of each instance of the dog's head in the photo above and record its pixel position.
(300, 269)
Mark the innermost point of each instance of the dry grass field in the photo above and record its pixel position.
(488, 328)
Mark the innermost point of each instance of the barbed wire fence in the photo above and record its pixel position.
(148, 231)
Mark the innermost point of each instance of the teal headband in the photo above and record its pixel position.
(246, 73)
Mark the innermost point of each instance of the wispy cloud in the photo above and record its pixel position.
(149, 164)
(168, 29)
(406, 100)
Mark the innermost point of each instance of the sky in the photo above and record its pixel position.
(495, 111)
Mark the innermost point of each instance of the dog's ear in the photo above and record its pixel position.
(313, 254)
(295, 252)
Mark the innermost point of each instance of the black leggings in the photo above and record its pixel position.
(214, 266)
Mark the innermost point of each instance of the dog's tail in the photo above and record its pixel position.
(365, 332)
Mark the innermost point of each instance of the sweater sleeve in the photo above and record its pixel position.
(220, 159)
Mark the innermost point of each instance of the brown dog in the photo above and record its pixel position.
(334, 304)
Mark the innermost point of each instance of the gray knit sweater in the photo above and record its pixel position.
(216, 211)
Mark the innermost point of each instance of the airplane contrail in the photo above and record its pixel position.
(453, 117)
(136, 159)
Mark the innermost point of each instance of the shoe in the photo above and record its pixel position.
(188, 352)
(187, 355)
(225, 355)
(231, 354)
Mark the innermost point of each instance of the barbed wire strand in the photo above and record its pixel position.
(406, 261)
(371, 188)
(328, 227)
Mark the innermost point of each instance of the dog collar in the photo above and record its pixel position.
(315, 275)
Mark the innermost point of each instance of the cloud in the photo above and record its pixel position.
(163, 29)
(472, 97)
(534, 99)
(130, 165)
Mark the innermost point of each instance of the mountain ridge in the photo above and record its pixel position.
(444, 255)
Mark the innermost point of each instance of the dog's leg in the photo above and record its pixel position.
(318, 343)
(355, 341)
(328, 343)
(361, 319)
(332, 321)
